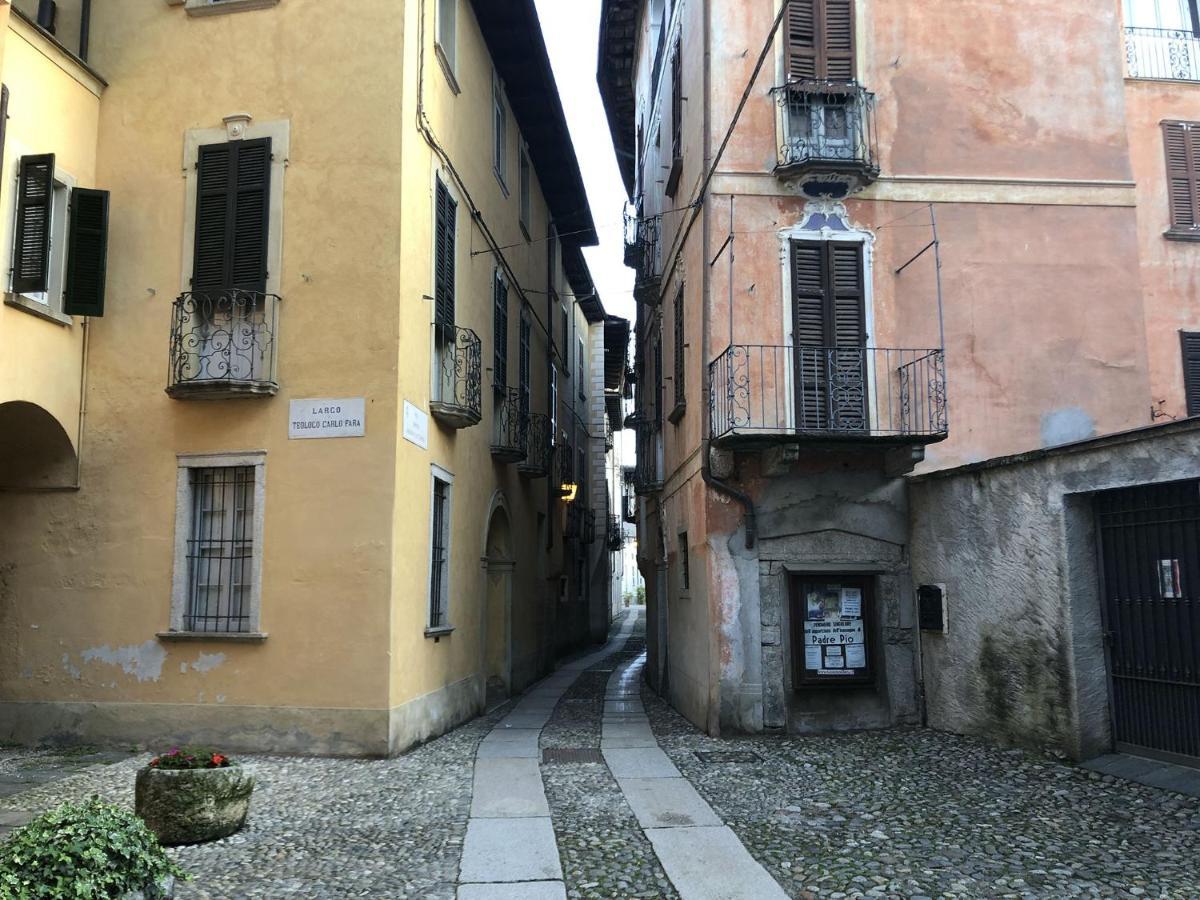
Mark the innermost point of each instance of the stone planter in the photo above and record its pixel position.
(190, 806)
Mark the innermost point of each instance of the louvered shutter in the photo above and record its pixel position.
(838, 40)
(233, 198)
(500, 332)
(1191, 371)
(35, 194)
(820, 40)
(87, 253)
(1182, 145)
(846, 315)
(802, 39)
(808, 332)
(678, 361)
(446, 213)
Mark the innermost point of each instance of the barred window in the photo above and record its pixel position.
(218, 551)
(439, 552)
(679, 340)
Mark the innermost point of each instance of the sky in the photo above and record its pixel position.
(572, 29)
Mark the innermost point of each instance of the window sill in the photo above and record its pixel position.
(41, 310)
(1190, 235)
(440, 632)
(235, 637)
(207, 8)
(500, 179)
(447, 69)
(677, 413)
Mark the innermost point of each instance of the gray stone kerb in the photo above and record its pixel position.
(510, 849)
(702, 857)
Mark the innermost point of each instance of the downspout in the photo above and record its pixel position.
(710, 479)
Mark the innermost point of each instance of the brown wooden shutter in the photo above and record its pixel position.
(838, 40)
(1182, 145)
(1191, 370)
(847, 328)
(35, 195)
(802, 39)
(87, 253)
(233, 188)
(808, 291)
(444, 273)
(820, 40)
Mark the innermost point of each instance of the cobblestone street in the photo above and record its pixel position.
(892, 814)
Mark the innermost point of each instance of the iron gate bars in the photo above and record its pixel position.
(538, 450)
(819, 392)
(457, 391)
(509, 432)
(223, 344)
(1165, 53)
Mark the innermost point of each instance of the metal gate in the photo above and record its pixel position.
(1150, 579)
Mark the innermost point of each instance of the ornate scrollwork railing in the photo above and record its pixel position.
(510, 431)
(850, 392)
(223, 344)
(538, 452)
(648, 477)
(616, 534)
(648, 279)
(1165, 53)
(457, 390)
(827, 128)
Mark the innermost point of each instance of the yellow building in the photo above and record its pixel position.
(301, 487)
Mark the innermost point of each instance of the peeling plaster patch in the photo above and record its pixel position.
(206, 662)
(143, 661)
(1063, 426)
(70, 669)
(183, 668)
(220, 698)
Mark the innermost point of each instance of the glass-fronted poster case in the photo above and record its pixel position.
(830, 641)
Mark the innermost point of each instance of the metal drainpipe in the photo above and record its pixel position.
(706, 298)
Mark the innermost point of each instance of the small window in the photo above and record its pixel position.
(1173, 15)
(500, 331)
(580, 366)
(526, 175)
(218, 553)
(685, 575)
(447, 40)
(1191, 371)
(499, 134)
(439, 552)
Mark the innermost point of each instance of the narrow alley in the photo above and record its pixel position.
(613, 802)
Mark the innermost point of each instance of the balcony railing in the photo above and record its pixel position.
(629, 497)
(223, 345)
(649, 260)
(616, 534)
(538, 451)
(457, 389)
(1162, 53)
(565, 454)
(846, 393)
(827, 136)
(647, 474)
(509, 432)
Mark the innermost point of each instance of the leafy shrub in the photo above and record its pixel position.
(191, 758)
(90, 851)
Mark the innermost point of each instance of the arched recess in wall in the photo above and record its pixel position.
(35, 450)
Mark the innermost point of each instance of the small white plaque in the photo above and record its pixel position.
(416, 426)
(327, 418)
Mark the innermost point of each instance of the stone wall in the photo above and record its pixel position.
(1013, 541)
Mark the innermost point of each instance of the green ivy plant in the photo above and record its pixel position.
(86, 851)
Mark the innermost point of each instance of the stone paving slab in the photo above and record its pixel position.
(506, 788)
(514, 735)
(507, 850)
(640, 762)
(624, 707)
(614, 730)
(642, 743)
(1152, 772)
(666, 803)
(710, 863)
(508, 750)
(519, 721)
(525, 890)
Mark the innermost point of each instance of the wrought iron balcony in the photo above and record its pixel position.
(1165, 53)
(629, 497)
(647, 473)
(538, 453)
(509, 429)
(457, 388)
(616, 534)
(648, 279)
(566, 462)
(223, 345)
(815, 393)
(826, 136)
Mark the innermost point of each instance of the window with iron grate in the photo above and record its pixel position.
(220, 549)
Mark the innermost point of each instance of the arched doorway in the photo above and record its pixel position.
(497, 614)
(35, 451)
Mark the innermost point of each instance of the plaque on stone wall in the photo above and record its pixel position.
(830, 631)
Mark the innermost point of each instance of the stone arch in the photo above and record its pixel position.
(498, 563)
(35, 450)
